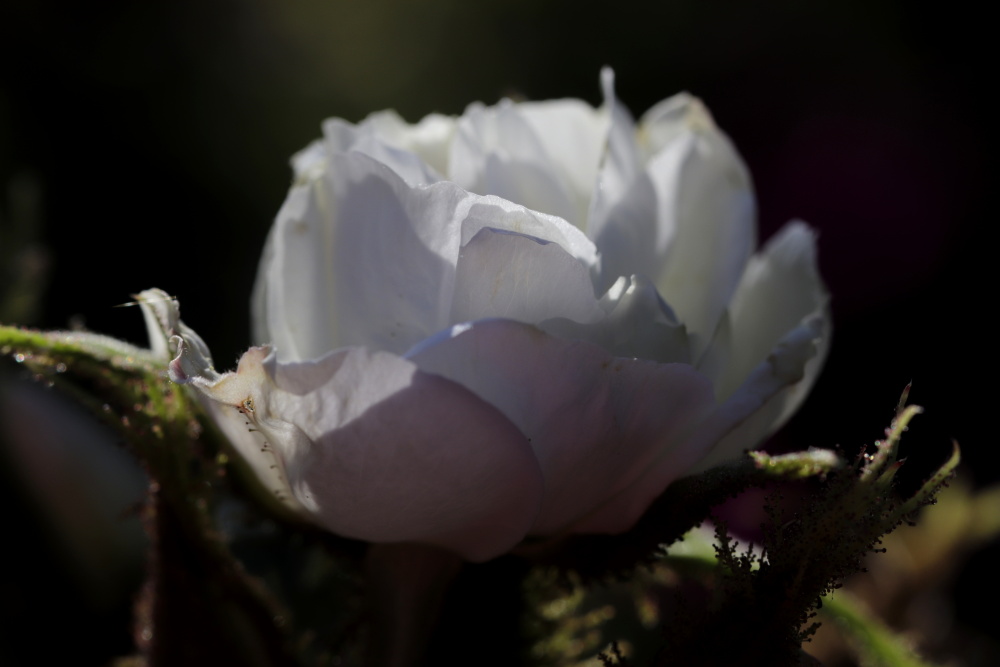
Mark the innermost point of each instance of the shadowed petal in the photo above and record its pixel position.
(619, 166)
(596, 422)
(780, 288)
(637, 324)
(781, 292)
(375, 449)
(736, 424)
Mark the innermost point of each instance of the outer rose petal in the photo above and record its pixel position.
(780, 288)
(719, 437)
(596, 422)
(375, 449)
(794, 365)
(781, 297)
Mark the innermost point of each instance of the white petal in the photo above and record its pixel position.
(342, 137)
(373, 448)
(291, 309)
(620, 167)
(596, 422)
(779, 290)
(400, 455)
(706, 213)
(626, 234)
(519, 277)
(430, 139)
(573, 135)
(497, 152)
(764, 399)
(309, 161)
(495, 213)
(722, 435)
(359, 257)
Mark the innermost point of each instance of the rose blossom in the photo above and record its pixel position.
(527, 320)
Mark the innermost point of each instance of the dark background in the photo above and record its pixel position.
(149, 144)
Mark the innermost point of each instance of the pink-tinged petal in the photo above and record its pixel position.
(357, 256)
(375, 449)
(705, 211)
(596, 422)
(497, 152)
(519, 277)
(738, 423)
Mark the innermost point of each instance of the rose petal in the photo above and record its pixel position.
(732, 426)
(572, 134)
(596, 422)
(781, 292)
(706, 213)
(780, 289)
(619, 164)
(342, 137)
(497, 152)
(495, 213)
(627, 235)
(359, 257)
(519, 277)
(375, 449)
(290, 307)
(759, 405)
(430, 138)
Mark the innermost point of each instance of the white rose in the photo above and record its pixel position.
(527, 320)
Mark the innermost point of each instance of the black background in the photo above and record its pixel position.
(157, 135)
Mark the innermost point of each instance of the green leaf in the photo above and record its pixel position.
(876, 645)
